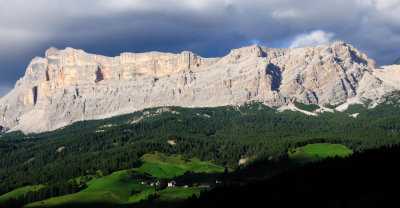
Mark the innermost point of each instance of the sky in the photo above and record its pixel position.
(210, 28)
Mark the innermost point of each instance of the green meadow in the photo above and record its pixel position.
(319, 151)
(18, 192)
(116, 189)
(160, 165)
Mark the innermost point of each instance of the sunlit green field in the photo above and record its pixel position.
(161, 166)
(316, 152)
(18, 192)
(112, 189)
(115, 189)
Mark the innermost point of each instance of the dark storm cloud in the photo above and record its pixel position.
(207, 27)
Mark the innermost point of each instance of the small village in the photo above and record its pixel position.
(172, 184)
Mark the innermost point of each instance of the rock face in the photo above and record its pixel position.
(70, 85)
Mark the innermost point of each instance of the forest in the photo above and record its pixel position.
(367, 179)
(223, 135)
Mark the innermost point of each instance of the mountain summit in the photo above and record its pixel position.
(70, 85)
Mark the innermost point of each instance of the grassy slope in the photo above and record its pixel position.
(171, 194)
(111, 189)
(174, 197)
(116, 188)
(161, 166)
(315, 152)
(18, 192)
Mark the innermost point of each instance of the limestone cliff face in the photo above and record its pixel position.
(70, 85)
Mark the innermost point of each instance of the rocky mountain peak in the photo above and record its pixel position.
(256, 50)
(51, 49)
(69, 85)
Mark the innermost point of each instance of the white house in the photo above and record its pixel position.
(171, 184)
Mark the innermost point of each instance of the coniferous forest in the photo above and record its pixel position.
(367, 179)
(223, 135)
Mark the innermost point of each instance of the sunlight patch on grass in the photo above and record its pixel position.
(316, 152)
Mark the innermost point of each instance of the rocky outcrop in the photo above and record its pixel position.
(70, 85)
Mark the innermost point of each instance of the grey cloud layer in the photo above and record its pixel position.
(207, 27)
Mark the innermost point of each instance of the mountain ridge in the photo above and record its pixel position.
(70, 85)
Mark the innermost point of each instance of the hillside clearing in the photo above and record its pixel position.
(319, 151)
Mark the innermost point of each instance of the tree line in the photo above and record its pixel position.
(49, 191)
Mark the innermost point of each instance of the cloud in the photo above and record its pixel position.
(285, 14)
(314, 38)
(206, 27)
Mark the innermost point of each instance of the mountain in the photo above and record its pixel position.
(71, 85)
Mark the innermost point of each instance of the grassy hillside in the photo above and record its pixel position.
(319, 151)
(18, 192)
(161, 166)
(174, 197)
(174, 194)
(118, 189)
(112, 189)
